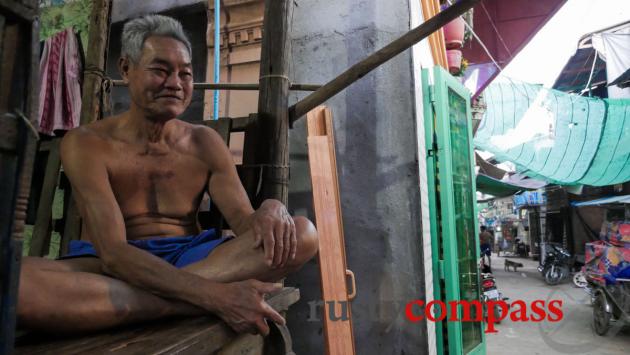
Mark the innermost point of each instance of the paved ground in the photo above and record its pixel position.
(572, 335)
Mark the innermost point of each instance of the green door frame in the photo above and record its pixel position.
(444, 239)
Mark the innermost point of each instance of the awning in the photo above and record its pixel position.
(504, 27)
(623, 81)
(561, 138)
(604, 201)
(496, 188)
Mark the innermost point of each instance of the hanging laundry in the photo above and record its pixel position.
(60, 88)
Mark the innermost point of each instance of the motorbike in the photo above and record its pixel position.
(522, 249)
(556, 265)
(489, 292)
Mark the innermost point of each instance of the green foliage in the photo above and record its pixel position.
(55, 19)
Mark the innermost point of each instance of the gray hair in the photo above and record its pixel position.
(136, 31)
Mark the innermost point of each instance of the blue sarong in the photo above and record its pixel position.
(179, 251)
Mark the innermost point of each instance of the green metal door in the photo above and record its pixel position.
(452, 199)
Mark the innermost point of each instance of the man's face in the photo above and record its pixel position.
(160, 84)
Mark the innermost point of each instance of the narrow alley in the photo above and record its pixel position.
(573, 335)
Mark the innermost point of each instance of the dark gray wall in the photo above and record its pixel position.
(375, 133)
(195, 22)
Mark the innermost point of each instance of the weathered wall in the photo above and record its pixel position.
(125, 9)
(195, 22)
(241, 37)
(375, 131)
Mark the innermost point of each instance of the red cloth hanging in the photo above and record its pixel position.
(60, 87)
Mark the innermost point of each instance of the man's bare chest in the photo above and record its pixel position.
(138, 177)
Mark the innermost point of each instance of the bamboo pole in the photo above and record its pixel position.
(266, 143)
(236, 86)
(370, 63)
(95, 61)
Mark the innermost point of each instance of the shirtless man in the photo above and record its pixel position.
(138, 179)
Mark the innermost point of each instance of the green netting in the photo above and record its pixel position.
(494, 187)
(562, 138)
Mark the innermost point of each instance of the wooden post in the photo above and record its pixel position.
(19, 29)
(91, 100)
(386, 53)
(266, 146)
(95, 61)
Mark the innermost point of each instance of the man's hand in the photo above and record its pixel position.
(244, 309)
(274, 230)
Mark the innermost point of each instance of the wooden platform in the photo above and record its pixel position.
(198, 335)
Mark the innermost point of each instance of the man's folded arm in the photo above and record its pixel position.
(82, 155)
(224, 185)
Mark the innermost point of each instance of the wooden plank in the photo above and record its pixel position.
(72, 228)
(197, 335)
(239, 124)
(224, 128)
(372, 62)
(332, 259)
(10, 43)
(244, 344)
(41, 230)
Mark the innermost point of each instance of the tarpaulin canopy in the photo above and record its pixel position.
(495, 187)
(561, 138)
(604, 201)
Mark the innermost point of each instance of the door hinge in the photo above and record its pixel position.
(431, 93)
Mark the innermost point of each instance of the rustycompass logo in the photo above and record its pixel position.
(473, 311)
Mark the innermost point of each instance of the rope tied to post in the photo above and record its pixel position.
(106, 86)
(276, 76)
(261, 170)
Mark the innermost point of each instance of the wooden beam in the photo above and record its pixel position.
(16, 166)
(41, 231)
(95, 61)
(268, 147)
(370, 63)
(189, 335)
(436, 39)
(332, 255)
(236, 86)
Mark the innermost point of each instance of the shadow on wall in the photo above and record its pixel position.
(377, 170)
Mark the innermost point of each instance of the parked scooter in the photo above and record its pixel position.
(489, 292)
(556, 265)
(522, 249)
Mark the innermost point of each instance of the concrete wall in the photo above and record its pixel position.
(195, 22)
(377, 159)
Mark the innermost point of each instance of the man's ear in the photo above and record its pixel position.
(123, 68)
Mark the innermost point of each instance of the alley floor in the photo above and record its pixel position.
(572, 335)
